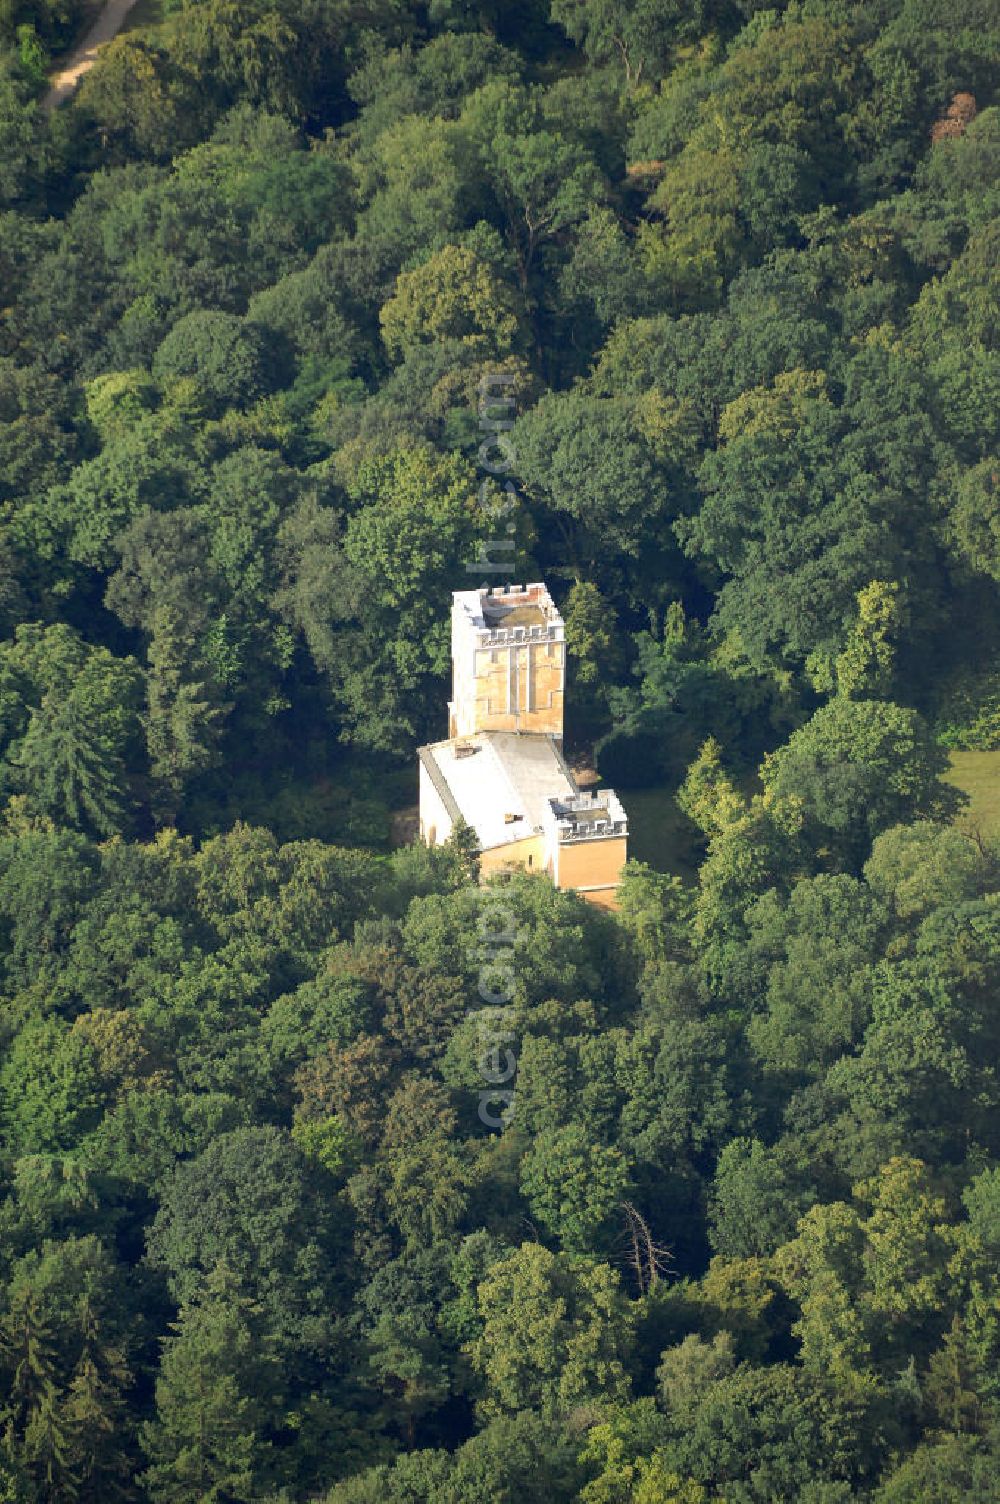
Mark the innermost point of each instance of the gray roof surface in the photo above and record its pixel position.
(509, 773)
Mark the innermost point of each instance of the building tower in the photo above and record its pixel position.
(501, 771)
(508, 654)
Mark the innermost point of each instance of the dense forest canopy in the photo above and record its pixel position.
(693, 306)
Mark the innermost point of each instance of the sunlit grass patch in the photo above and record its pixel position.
(978, 775)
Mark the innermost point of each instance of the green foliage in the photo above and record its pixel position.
(452, 295)
(51, 1088)
(71, 721)
(251, 1203)
(755, 1201)
(554, 1329)
(762, 1432)
(976, 518)
(637, 37)
(67, 1331)
(222, 355)
(814, 951)
(916, 868)
(212, 1398)
(55, 20)
(573, 1186)
(734, 1235)
(595, 461)
(951, 1469)
(859, 766)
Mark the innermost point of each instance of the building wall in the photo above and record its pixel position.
(435, 821)
(463, 668)
(529, 854)
(591, 864)
(594, 873)
(602, 898)
(510, 687)
(516, 687)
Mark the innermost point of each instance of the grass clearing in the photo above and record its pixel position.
(978, 775)
(660, 834)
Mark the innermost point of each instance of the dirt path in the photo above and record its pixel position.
(83, 57)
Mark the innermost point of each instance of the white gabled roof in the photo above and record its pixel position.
(507, 773)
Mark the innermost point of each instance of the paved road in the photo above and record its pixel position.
(83, 58)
